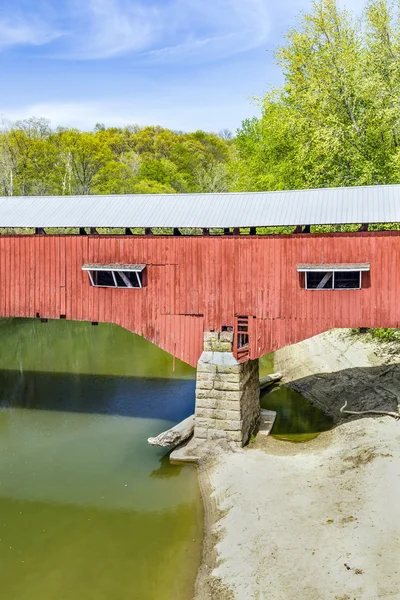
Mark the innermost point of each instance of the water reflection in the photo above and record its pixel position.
(169, 399)
(297, 419)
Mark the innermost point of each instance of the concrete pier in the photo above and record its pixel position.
(227, 392)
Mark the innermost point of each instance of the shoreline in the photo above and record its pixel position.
(206, 585)
(316, 520)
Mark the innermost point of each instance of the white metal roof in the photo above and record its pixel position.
(338, 267)
(114, 267)
(370, 204)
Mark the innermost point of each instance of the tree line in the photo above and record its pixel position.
(335, 121)
(37, 160)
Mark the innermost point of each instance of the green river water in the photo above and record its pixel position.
(297, 419)
(88, 510)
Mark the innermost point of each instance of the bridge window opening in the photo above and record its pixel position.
(319, 280)
(116, 276)
(243, 334)
(333, 280)
(350, 280)
(242, 349)
(333, 277)
(102, 278)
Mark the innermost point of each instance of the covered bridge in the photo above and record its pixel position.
(179, 266)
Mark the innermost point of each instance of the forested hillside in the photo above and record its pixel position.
(334, 122)
(34, 159)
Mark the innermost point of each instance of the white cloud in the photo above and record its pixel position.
(23, 31)
(113, 27)
(230, 27)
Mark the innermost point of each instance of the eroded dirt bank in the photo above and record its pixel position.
(337, 366)
(317, 521)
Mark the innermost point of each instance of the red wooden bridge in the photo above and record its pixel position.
(193, 284)
(269, 289)
(208, 281)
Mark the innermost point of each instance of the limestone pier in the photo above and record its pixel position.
(227, 392)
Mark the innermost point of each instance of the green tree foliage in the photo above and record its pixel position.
(335, 120)
(34, 159)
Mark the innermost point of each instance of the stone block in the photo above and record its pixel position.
(228, 425)
(206, 357)
(206, 413)
(210, 394)
(226, 386)
(226, 405)
(208, 403)
(205, 423)
(231, 377)
(200, 432)
(204, 383)
(216, 434)
(210, 336)
(202, 394)
(206, 368)
(218, 346)
(205, 377)
(228, 368)
(235, 436)
(233, 415)
(220, 414)
(226, 336)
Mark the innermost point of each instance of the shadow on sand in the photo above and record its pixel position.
(364, 388)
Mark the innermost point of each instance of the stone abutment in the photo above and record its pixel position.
(227, 392)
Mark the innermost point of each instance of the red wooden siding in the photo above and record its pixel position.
(195, 284)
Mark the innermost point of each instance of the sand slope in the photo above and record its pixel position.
(317, 521)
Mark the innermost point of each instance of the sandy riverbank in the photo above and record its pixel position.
(317, 521)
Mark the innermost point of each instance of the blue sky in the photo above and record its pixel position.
(183, 64)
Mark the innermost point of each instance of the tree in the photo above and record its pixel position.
(212, 178)
(84, 156)
(28, 157)
(225, 134)
(335, 119)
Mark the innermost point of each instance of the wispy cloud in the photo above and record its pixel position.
(17, 30)
(156, 30)
(166, 29)
(107, 28)
(216, 29)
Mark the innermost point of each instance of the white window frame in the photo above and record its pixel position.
(137, 269)
(333, 288)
